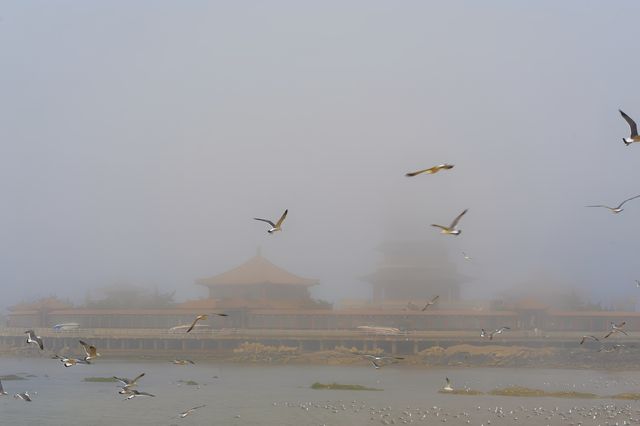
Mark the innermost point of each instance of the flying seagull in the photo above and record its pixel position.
(377, 361)
(90, 350)
(412, 306)
(23, 396)
(126, 383)
(466, 257)
(618, 208)
(275, 226)
(182, 361)
(32, 338)
(484, 333)
(432, 170)
(616, 328)
(638, 283)
(447, 387)
(451, 229)
(634, 130)
(589, 337)
(70, 362)
(190, 410)
(133, 393)
(203, 317)
(431, 302)
(2, 392)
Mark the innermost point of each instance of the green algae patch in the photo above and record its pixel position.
(11, 377)
(627, 395)
(528, 392)
(338, 386)
(100, 379)
(462, 392)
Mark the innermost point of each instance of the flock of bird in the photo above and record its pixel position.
(128, 386)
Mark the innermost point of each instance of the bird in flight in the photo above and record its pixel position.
(484, 333)
(70, 362)
(616, 328)
(634, 130)
(638, 283)
(183, 362)
(190, 410)
(618, 208)
(466, 257)
(32, 338)
(90, 350)
(589, 337)
(451, 229)
(447, 387)
(2, 392)
(127, 383)
(274, 226)
(202, 317)
(133, 393)
(377, 361)
(431, 302)
(432, 170)
(23, 396)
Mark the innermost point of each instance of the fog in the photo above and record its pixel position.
(139, 139)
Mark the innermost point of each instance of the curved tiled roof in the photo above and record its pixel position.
(257, 270)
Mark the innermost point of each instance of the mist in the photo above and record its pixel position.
(139, 140)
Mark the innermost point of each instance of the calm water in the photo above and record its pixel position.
(259, 395)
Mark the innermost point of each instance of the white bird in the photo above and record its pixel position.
(451, 229)
(616, 328)
(190, 410)
(274, 226)
(126, 383)
(637, 283)
(431, 302)
(618, 208)
(465, 256)
(432, 170)
(23, 396)
(32, 338)
(589, 337)
(133, 393)
(377, 361)
(447, 387)
(182, 361)
(634, 130)
(203, 317)
(484, 333)
(2, 392)
(70, 362)
(90, 350)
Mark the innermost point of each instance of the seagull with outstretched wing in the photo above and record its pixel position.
(634, 130)
(430, 303)
(451, 229)
(431, 170)
(274, 226)
(618, 208)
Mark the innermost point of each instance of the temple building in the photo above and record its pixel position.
(415, 270)
(258, 283)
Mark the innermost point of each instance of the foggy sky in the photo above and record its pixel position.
(139, 139)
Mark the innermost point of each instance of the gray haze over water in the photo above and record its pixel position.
(138, 141)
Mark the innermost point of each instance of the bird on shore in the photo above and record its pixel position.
(2, 392)
(133, 393)
(23, 396)
(90, 350)
(431, 170)
(634, 130)
(589, 337)
(70, 362)
(182, 362)
(430, 303)
(447, 387)
(274, 226)
(451, 229)
(203, 317)
(618, 208)
(484, 333)
(32, 338)
(616, 328)
(190, 410)
(127, 383)
(378, 361)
